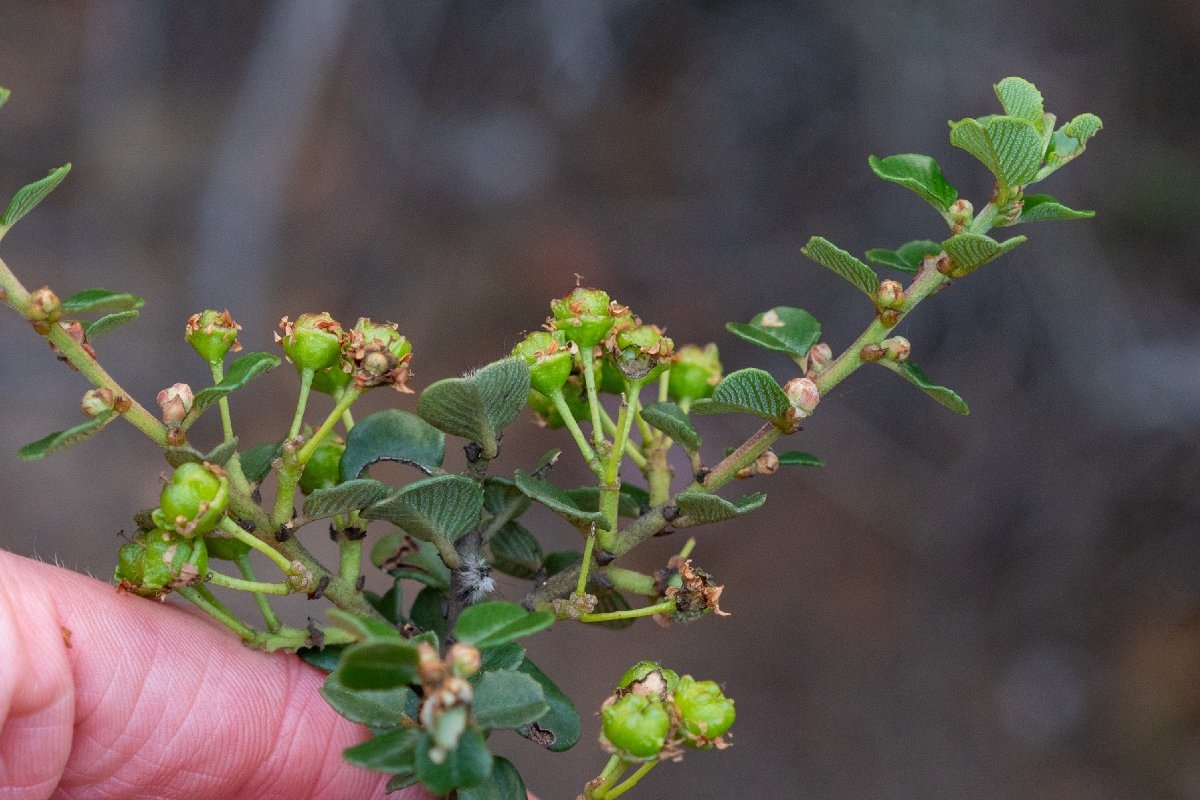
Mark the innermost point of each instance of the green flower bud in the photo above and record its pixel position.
(896, 348)
(44, 305)
(649, 678)
(313, 341)
(695, 372)
(212, 334)
(158, 561)
(890, 295)
(585, 316)
(550, 359)
(193, 500)
(323, 469)
(642, 352)
(378, 354)
(636, 726)
(705, 713)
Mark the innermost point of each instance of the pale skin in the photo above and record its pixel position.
(109, 695)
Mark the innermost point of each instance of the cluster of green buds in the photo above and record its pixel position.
(158, 561)
(655, 713)
(447, 694)
(193, 501)
(369, 354)
(695, 373)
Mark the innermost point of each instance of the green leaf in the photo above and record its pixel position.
(324, 658)
(441, 507)
(401, 780)
(827, 254)
(221, 454)
(557, 501)
(1010, 148)
(782, 329)
(508, 699)
(479, 404)
(557, 729)
(504, 784)
(392, 435)
(747, 391)
(704, 508)
(376, 664)
(108, 322)
(1022, 100)
(101, 301)
(421, 563)
(4, 95)
(505, 656)
(391, 603)
(559, 560)
(256, 460)
(182, 454)
(797, 458)
(515, 551)
(469, 764)
(427, 614)
(64, 439)
(362, 627)
(1069, 141)
(379, 709)
(241, 371)
(906, 257)
(1044, 208)
(344, 498)
(496, 622)
(918, 173)
(631, 502)
(947, 397)
(29, 196)
(673, 421)
(970, 251)
(393, 751)
(503, 501)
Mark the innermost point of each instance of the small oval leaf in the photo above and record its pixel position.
(797, 458)
(507, 699)
(947, 397)
(29, 196)
(702, 508)
(102, 301)
(1044, 208)
(558, 729)
(917, 173)
(515, 551)
(392, 435)
(344, 498)
(1022, 100)
(782, 329)
(479, 404)
(377, 664)
(747, 391)
(504, 784)
(496, 622)
(240, 372)
(557, 501)
(673, 421)
(828, 254)
(970, 251)
(64, 439)
(441, 507)
(107, 323)
(392, 751)
(906, 257)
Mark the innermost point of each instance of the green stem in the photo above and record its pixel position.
(349, 558)
(587, 357)
(347, 399)
(218, 375)
(662, 607)
(631, 781)
(229, 582)
(244, 536)
(585, 564)
(264, 606)
(306, 378)
(217, 612)
(597, 788)
(585, 449)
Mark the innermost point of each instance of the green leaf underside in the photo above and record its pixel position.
(422, 564)
(829, 255)
(362, 626)
(469, 764)
(1022, 100)
(746, 391)
(393, 751)
(1070, 140)
(673, 421)
(558, 729)
(515, 551)
(798, 458)
(504, 784)
(503, 501)
(377, 664)
(507, 699)
(704, 508)
(477, 405)
(1011, 148)
(256, 460)
(64, 439)
(505, 656)
(344, 498)
(494, 623)
(947, 397)
(1044, 208)
(101, 301)
(970, 251)
(444, 506)
(557, 501)
(29, 196)
(378, 709)
(918, 173)
(907, 257)
(426, 611)
(782, 329)
(392, 435)
(240, 372)
(107, 323)
(631, 502)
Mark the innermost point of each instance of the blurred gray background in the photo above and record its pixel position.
(1000, 606)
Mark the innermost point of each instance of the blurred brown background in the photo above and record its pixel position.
(1000, 606)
